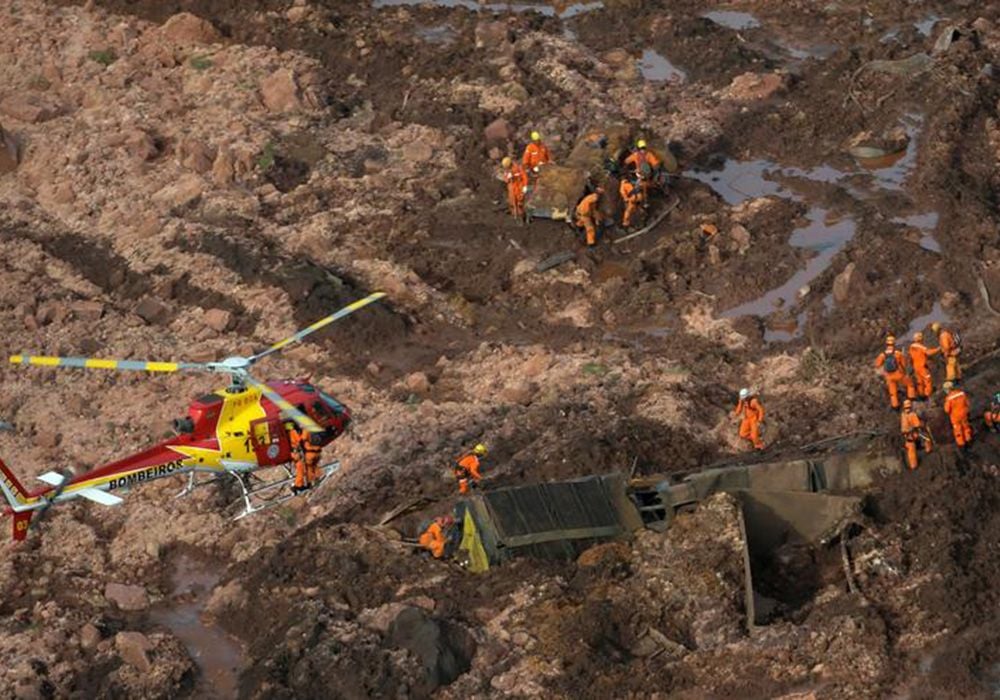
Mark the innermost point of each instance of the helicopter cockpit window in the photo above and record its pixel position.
(333, 404)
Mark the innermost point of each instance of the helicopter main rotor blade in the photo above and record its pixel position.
(322, 323)
(93, 363)
(287, 409)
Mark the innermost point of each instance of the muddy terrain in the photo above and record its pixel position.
(192, 180)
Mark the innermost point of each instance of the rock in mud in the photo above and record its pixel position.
(752, 87)
(133, 648)
(127, 597)
(418, 383)
(9, 156)
(185, 28)
(31, 107)
(90, 637)
(842, 284)
(218, 320)
(186, 190)
(741, 238)
(280, 92)
(497, 130)
(152, 311)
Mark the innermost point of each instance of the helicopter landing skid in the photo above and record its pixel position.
(254, 502)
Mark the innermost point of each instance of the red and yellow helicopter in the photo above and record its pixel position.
(232, 431)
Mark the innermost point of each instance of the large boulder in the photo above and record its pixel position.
(185, 28)
(127, 597)
(280, 92)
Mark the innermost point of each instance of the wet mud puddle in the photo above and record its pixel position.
(825, 234)
(218, 656)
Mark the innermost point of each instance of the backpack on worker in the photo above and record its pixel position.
(958, 341)
(891, 363)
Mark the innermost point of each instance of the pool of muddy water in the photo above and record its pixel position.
(218, 656)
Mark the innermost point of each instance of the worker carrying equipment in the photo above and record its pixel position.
(588, 213)
(913, 432)
(435, 538)
(893, 365)
(918, 352)
(517, 187)
(466, 469)
(751, 413)
(950, 346)
(648, 167)
(632, 197)
(956, 405)
(306, 456)
(992, 415)
(536, 154)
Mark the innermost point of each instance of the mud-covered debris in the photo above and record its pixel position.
(218, 320)
(133, 647)
(31, 107)
(127, 597)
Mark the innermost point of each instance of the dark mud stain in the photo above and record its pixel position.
(218, 656)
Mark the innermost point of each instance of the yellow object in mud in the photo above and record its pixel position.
(471, 543)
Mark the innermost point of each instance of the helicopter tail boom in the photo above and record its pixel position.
(17, 500)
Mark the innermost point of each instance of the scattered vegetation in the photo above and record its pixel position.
(816, 365)
(265, 161)
(595, 368)
(105, 57)
(200, 62)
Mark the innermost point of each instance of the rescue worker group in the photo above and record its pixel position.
(908, 372)
(643, 171)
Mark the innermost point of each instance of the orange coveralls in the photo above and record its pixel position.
(535, 154)
(646, 163)
(909, 426)
(586, 216)
(467, 467)
(632, 196)
(893, 379)
(433, 540)
(752, 412)
(306, 458)
(949, 350)
(921, 372)
(956, 405)
(517, 182)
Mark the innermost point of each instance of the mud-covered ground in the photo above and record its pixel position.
(193, 186)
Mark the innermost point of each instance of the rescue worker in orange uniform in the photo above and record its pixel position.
(913, 432)
(467, 466)
(992, 415)
(750, 411)
(307, 456)
(893, 365)
(588, 213)
(918, 352)
(956, 405)
(536, 154)
(517, 187)
(435, 538)
(949, 346)
(632, 197)
(647, 165)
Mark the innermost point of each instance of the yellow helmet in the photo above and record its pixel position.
(907, 403)
(948, 386)
(935, 326)
(479, 449)
(535, 136)
(505, 162)
(890, 340)
(641, 143)
(918, 337)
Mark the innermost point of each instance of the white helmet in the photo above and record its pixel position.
(744, 393)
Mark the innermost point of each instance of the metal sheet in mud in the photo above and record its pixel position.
(554, 520)
(776, 517)
(556, 192)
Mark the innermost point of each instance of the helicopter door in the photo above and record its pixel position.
(267, 437)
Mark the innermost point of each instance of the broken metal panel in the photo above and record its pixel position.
(857, 470)
(555, 192)
(555, 520)
(780, 476)
(776, 517)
